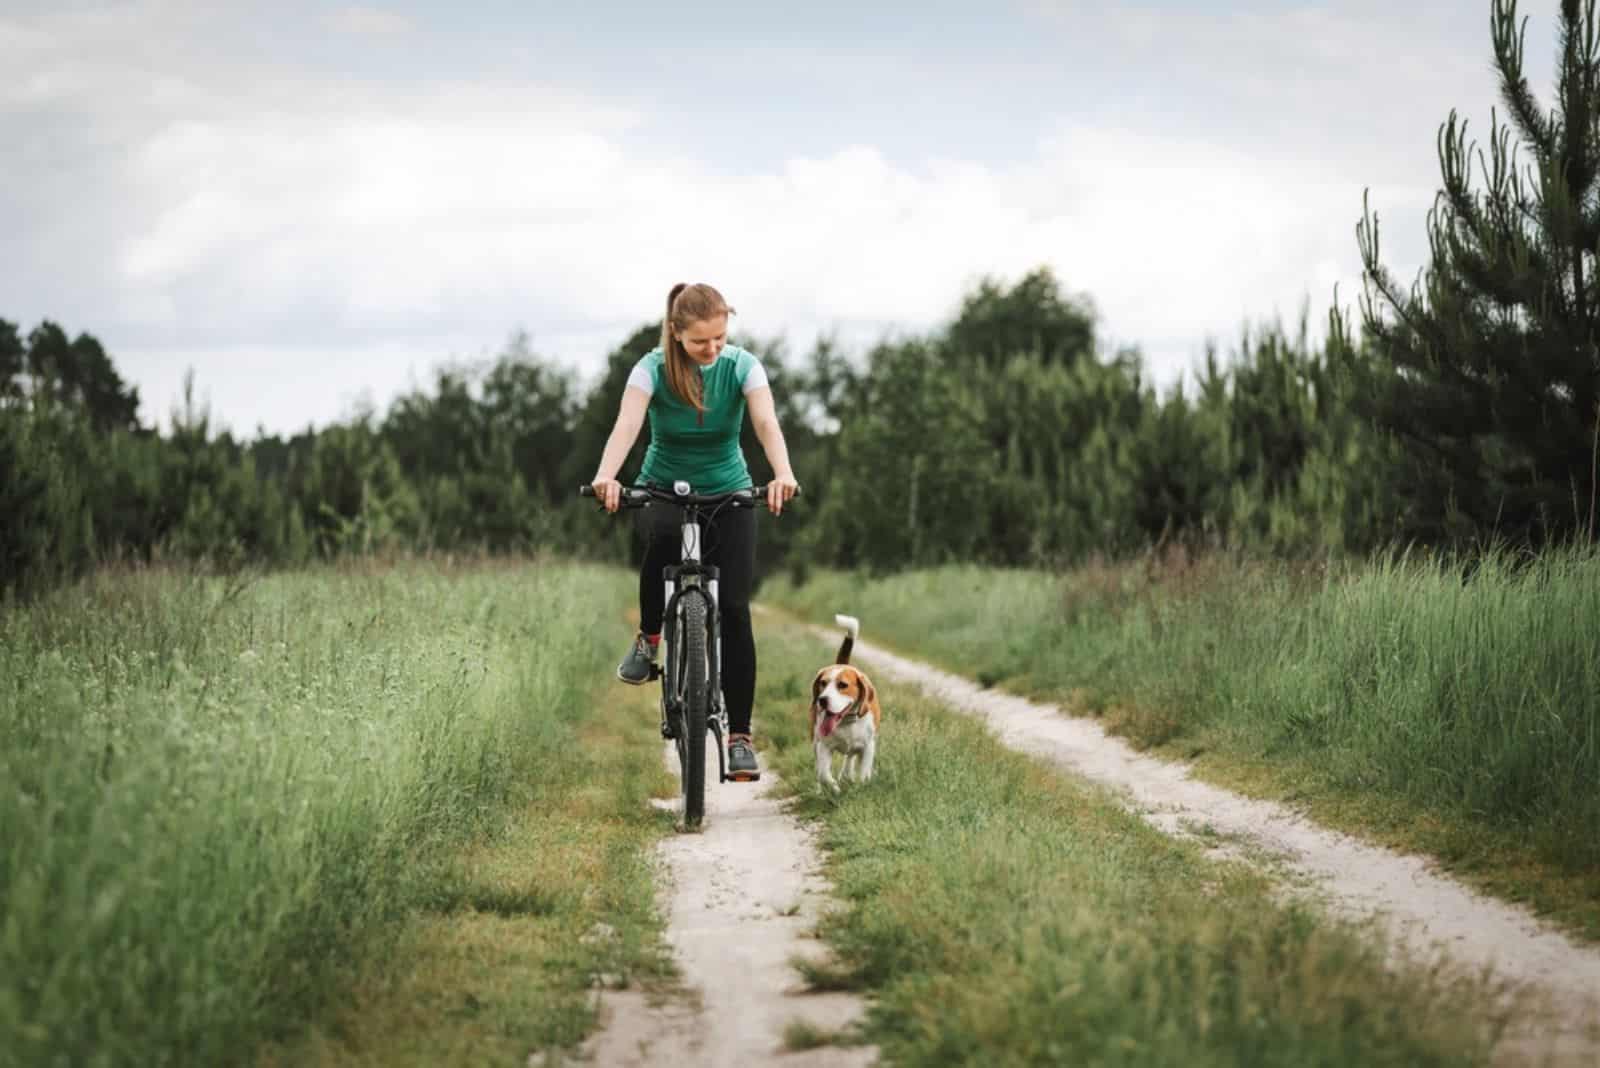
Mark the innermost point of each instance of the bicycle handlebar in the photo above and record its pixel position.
(639, 496)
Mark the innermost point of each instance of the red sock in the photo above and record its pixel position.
(653, 639)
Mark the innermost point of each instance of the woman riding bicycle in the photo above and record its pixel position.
(695, 388)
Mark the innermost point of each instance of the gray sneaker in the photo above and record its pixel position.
(638, 666)
(742, 765)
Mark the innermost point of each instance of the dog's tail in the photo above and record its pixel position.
(852, 631)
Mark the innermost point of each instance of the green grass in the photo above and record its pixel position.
(380, 817)
(223, 802)
(500, 964)
(1431, 709)
(1001, 913)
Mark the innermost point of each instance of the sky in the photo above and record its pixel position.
(311, 206)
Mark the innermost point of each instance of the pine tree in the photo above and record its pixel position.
(1489, 373)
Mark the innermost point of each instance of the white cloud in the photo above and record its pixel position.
(295, 236)
(440, 221)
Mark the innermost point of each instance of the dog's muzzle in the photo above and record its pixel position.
(831, 720)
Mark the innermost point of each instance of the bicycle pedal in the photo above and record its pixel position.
(655, 672)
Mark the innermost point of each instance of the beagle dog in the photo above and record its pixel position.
(844, 715)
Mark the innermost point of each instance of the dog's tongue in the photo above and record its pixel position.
(830, 721)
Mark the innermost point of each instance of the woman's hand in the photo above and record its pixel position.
(779, 490)
(608, 491)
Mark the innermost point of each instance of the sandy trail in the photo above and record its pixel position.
(1425, 912)
(741, 898)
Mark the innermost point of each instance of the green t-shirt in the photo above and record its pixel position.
(707, 456)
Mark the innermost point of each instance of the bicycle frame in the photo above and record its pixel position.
(691, 577)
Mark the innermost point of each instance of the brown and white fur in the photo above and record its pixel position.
(845, 716)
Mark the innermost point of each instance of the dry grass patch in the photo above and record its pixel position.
(801, 1035)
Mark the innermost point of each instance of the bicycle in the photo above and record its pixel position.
(691, 693)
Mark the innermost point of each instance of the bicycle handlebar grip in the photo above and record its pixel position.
(586, 491)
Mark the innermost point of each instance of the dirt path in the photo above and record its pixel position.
(741, 898)
(1425, 912)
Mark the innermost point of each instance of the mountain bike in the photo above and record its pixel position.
(691, 672)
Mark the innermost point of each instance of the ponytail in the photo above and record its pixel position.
(688, 304)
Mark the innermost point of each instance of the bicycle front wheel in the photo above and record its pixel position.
(695, 702)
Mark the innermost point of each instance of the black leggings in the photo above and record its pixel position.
(729, 544)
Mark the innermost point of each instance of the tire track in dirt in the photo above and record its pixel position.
(741, 898)
(1425, 914)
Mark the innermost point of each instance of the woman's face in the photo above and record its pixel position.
(703, 339)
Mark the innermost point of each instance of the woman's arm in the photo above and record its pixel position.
(764, 418)
(630, 418)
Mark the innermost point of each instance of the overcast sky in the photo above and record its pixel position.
(311, 204)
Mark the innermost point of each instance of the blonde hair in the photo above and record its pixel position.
(688, 304)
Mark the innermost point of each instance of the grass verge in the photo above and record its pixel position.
(1433, 709)
(1002, 913)
(500, 965)
(223, 799)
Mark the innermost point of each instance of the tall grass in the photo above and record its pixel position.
(1470, 695)
(214, 796)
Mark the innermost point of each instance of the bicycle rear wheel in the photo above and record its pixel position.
(694, 701)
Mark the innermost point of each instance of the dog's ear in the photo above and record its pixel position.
(870, 693)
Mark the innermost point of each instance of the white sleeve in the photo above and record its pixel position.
(640, 378)
(756, 377)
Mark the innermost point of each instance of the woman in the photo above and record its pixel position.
(695, 388)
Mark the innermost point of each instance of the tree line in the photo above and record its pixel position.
(1006, 438)
(1461, 410)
